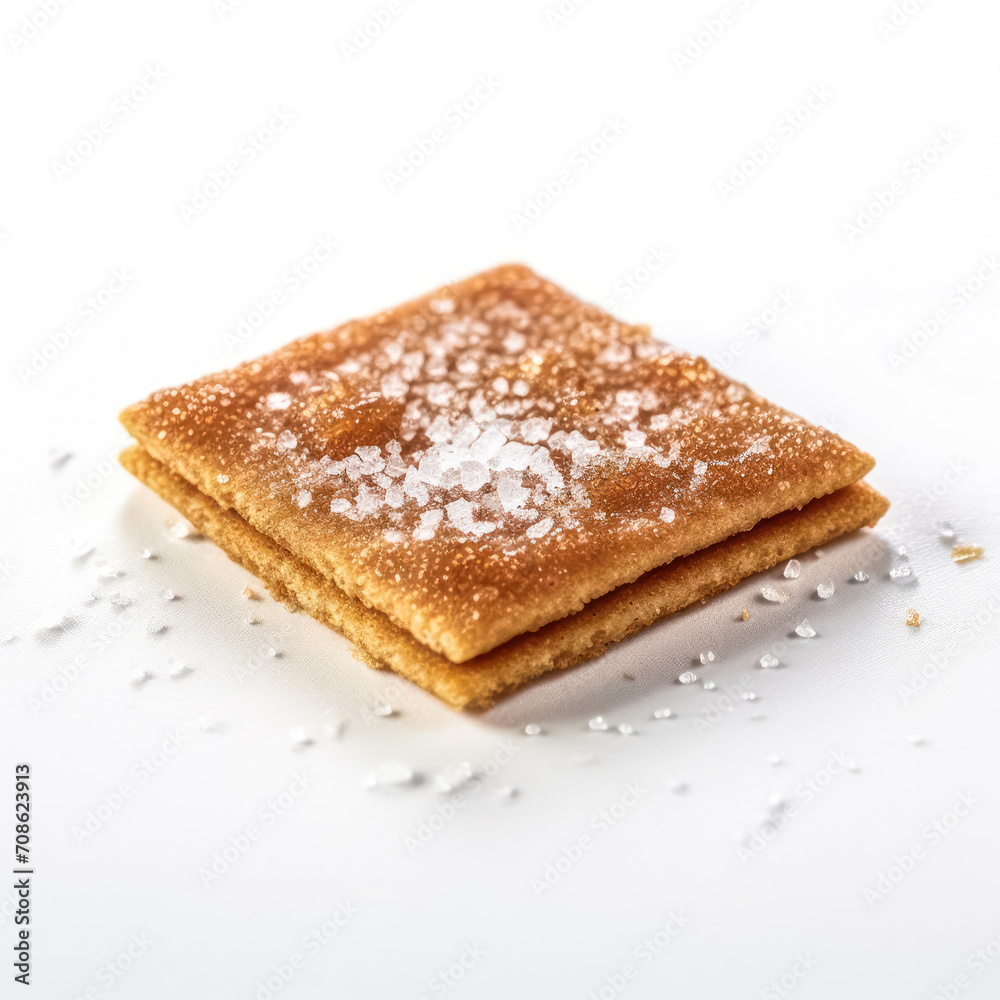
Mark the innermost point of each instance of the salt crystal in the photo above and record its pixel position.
(945, 530)
(667, 515)
(278, 401)
(626, 729)
(505, 792)
(303, 497)
(301, 736)
(453, 777)
(209, 723)
(860, 577)
(678, 787)
(825, 590)
(768, 661)
(792, 569)
(155, 626)
(804, 629)
(80, 548)
(383, 709)
(707, 657)
(222, 478)
(709, 685)
(532, 729)
(58, 456)
(662, 713)
(105, 570)
(177, 668)
(688, 677)
(340, 505)
(390, 772)
(286, 441)
(598, 724)
(146, 554)
(770, 592)
(178, 528)
(139, 676)
(475, 475)
(749, 696)
(700, 468)
(51, 623)
(168, 594)
(540, 528)
(511, 493)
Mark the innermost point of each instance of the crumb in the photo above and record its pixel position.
(746, 614)
(628, 677)
(966, 553)
(912, 617)
(250, 594)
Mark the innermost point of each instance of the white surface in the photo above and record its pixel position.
(655, 187)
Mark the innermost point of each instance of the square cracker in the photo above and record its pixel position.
(480, 681)
(488, 458)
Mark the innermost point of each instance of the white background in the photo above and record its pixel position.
(856, 297)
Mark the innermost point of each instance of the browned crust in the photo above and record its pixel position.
(479, 682)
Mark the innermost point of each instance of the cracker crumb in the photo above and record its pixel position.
(966, 553)
(250, 594)
(913, 617)
(746, 614)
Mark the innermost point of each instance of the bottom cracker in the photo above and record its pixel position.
(477, 683)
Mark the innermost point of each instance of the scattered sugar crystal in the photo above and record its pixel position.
(146, 554)
(222, 477)
(663, 713)
(453, 777)
(340, 505)
(300, 736)
(540, 528)
(666, 514)
(966, 553)
(532, 729)
(768, 661)
(80, 548)
(177, 668)
(627, 729)
(825, 590)
(792, 569)
(390, 773)
(860, 577)
(945, 530)
(688, 677)
(303, 497)
(278, 401)
(709, 685)
(598, 724)
(287, 441)
(770, 592)
(383, 709)
(168, 594)
(804, 629)
(707, 657)
(475, 475)
(913, 617)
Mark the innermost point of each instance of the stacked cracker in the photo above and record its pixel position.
(493, 481)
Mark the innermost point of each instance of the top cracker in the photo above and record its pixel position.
(489, 457)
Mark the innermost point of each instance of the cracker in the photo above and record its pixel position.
(488, 458)
(477, 683)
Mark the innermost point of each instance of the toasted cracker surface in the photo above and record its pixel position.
(382, 643)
